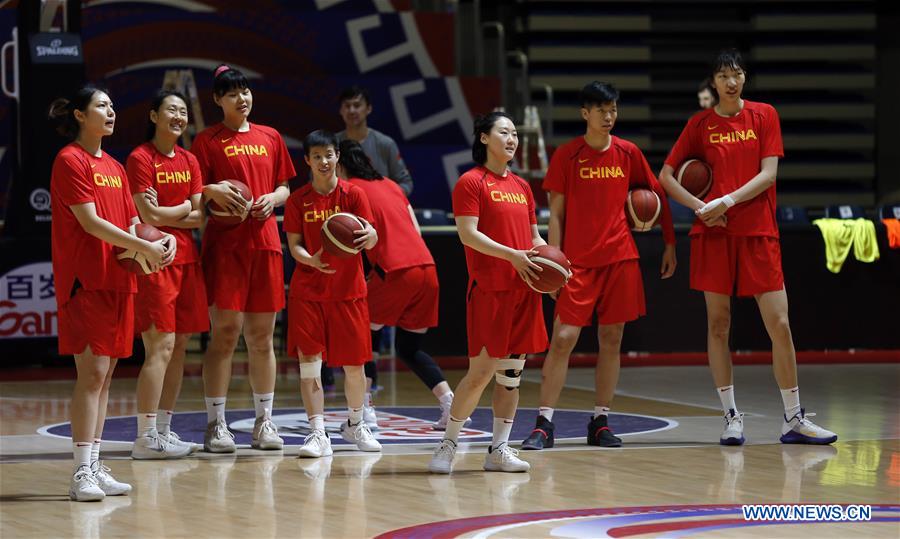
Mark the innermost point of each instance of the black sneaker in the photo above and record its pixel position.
(541, 436)
(599, 433)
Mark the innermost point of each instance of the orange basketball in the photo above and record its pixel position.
(696, 177)
(221, 215)
(642, 209)
(556, 269)
(338, 234)
(134, 261)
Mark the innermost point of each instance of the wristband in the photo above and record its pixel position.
(728, 200)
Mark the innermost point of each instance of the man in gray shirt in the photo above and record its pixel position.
(381, 149)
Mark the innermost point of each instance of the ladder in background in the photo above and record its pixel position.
(182, 80)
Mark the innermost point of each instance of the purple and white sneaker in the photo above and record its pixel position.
(800, 430)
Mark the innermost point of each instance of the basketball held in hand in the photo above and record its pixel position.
(338, 235)
(132, 260)
(556, 269)
(223, 215)
(642, 209)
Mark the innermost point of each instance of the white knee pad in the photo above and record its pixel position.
(311, 370)
(509, 372)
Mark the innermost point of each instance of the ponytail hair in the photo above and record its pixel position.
(483, 125)
(62, 110)
(355, 161)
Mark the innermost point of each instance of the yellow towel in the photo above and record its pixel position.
(841, 234)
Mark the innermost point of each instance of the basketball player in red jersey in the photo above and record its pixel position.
(734, 242)
(328, 316)
(166, 185)
(495, 217)
(403, 289)
(589, 180)
(92, 212)
(242, 263)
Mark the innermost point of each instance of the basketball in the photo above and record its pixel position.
(221, 215)
(338, 234)
(556, 269)
(642, 209)
(134, 261)
(695, 176)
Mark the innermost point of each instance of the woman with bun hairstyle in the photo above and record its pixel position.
(92, 215)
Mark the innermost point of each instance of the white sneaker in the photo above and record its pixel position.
(442, 459)
(175, 439)
(505, 459)
(360, 435)
(799, 430)
(107, 482)
(218, 439)
(316, 444)
(734, 429)
(265, 434)
(369, 417)
(441, 424)
(152, 446)
(84, 487)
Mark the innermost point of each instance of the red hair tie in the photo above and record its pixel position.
(221, 69)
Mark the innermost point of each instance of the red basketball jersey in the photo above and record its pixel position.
(304, 214)
(78, 178)
(257, 157)
(596, 185)
(504, 206)
(399, 243)
(175, 180)
(734, 147)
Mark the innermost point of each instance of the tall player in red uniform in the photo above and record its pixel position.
(495, 218)
(328, 316)
(403, 284)
(92, 212)
(166, 186)
(589, 179)
(734, 243)
(242, 263)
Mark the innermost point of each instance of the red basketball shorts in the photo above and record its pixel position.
(101, 319)
(406, 298)
(173, 300)
(246, 281)
(505, 322)
(339, 330)
(615, 292)
(739, 265)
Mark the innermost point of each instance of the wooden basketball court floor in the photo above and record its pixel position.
(671, 479)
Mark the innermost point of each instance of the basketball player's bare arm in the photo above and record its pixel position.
(301, 255)
(265, 204)
(157, 252)
(470, 236)
(536, 239)
(225, 195)
(195, 218)
(676, 191)
(683, 197)
(367, 237)
(153, 214)
(557, 218)
(715, 208)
